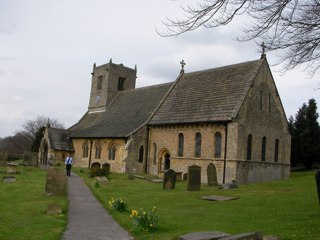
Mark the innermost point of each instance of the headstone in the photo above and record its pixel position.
(212, 175)
(54, 208)
(56, 182)
(12, 167)
(95, 169)
(204, 235)
(9, 179)
(318, 183)
(106, 168)
(185, 176)
(194, 178)
(169, 180)
(179, 176)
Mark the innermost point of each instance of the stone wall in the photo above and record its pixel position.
(138, 140)
(117, 165)
(166, 140)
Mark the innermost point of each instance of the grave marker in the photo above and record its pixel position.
(194, 178)
(212, 175)
(169, 181)
(56, 182)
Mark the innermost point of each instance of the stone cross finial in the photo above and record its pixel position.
(263, 54)
(182, 66)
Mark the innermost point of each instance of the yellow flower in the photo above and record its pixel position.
(134, 213)
(144, 213)
(151, 225)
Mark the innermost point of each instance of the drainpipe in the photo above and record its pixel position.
(225, 153)
(147, 151)
(90, 153)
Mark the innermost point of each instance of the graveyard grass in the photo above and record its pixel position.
(23, 207)
(288, 209)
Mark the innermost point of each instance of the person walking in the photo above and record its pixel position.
(68, 162)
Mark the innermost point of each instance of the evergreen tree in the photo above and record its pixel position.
(305, 135)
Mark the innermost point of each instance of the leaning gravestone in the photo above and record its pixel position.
(56, 182)
(194, 178)
(318, 183)
(212, 175)
(169, 180)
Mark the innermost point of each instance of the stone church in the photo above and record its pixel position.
(229, 118)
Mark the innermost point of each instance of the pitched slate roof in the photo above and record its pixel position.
(208, 96)
(128, 111)
(59, 139)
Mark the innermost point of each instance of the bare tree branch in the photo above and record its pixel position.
(292, 27)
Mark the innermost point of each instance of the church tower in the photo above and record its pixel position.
(107, 81)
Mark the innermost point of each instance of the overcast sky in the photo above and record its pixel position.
(47, 50)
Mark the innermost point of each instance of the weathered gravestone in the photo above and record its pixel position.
(169, 180)
(12, 167)
(95, 169)
(106, 168)
(9, 179)
(54, 208)
(56, 182)
(318, 183)
(194, 178)
(212, 175)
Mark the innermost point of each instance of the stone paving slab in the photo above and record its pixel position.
(87, 219)
(218, 198)
(214, 235)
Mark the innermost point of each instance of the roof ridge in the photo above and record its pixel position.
(227, 66)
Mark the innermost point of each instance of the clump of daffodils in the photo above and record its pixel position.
(118, 204)
(146, 220)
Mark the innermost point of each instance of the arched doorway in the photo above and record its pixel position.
(164, 160)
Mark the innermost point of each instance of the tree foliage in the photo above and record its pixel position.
(291, 26)
(31, 127)
(305, 133)
(29, 138)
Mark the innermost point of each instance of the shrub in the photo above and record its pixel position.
(98, 173)
(118, 204)
(146, 220)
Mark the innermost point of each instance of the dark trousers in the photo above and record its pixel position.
(68, 167)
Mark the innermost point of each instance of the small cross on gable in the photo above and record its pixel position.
(182, 66)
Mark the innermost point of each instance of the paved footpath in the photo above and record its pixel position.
(87, 219)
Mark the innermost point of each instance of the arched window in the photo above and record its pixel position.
(180, 144)
(249, 147)
(141, 152)
(98, 148)
(85, 149)
(154, 154)
(217, 145)
(263, 148)
(112, 152)
(198, 145)
(276, 150)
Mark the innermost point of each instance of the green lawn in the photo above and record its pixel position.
(288, 209)
(23, 208)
